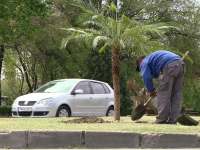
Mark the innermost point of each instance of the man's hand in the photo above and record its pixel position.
(152, 93)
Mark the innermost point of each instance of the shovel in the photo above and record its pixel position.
(184, 119)
(140, 110)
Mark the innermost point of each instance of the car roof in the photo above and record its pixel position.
(78, 79)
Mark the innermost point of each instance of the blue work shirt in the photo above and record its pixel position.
(153, 64)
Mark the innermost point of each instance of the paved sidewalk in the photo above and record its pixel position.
(49, 139)
(122, 149)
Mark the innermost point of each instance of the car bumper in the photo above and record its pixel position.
(33, 111)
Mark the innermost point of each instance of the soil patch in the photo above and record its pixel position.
(87, 120)
(98, 120)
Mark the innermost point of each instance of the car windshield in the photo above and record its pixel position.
(56, 87)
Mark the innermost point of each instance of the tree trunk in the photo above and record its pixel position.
(2, 50)
(116, 56)
(22, 79)
(24, 68)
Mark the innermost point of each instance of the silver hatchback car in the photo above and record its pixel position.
(65, 98)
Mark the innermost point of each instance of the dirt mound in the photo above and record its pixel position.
(98, 120)
(87, 120)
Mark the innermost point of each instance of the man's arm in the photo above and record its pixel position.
(147, 77)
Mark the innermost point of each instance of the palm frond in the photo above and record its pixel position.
(102, 20)
(89, 22)
(76, 37)
(162, 26)
(83, 36)
(93, 31)
(124, 23)
(168, 27)
(158, 32)
(66, 40)
(104, 24)
(97, 39)
(122, 45)
(103, 48)
(74, 30)
(98, 21)
(132, 33)
(112, 7)
(96, 17)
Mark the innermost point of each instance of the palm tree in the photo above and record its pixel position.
(117, 34)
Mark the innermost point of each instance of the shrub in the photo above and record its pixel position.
(151, 111)
(6, 110)
(126, 112)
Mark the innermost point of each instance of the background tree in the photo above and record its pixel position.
(16, 21)
(41, 60)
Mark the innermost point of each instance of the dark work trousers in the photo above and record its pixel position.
(169, 94)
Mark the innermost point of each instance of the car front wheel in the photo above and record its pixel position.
(110, 111)
(63, 111)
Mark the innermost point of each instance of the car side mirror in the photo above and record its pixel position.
(79, 91)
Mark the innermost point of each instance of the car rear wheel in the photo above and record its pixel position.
(63, 111)
(110, 111)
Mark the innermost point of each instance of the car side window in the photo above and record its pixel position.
(106, 89)
(97, 88)
(83, 86)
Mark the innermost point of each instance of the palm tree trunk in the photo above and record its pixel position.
(116, 56)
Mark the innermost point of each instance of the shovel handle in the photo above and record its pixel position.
(150, 98)
(184, 55)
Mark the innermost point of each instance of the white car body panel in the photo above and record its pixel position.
(82, 105)
(79, 104)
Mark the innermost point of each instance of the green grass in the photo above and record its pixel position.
(56, 124)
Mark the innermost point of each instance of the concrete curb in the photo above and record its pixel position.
(35, 139)
(169, 140)
(13, 139)
(53, 139)
(111, 139)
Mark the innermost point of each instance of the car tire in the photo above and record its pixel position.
(110, 111)
(63, 111)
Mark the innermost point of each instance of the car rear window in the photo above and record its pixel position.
(97, 88)
(106, 89)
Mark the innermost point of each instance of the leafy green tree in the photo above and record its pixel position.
(12, 80)
(17, 19)
(41, 60)
(70, 12)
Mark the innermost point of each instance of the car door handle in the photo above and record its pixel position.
(91, 98)
(107, 97)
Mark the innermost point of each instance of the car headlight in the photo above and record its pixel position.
(45, 101)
